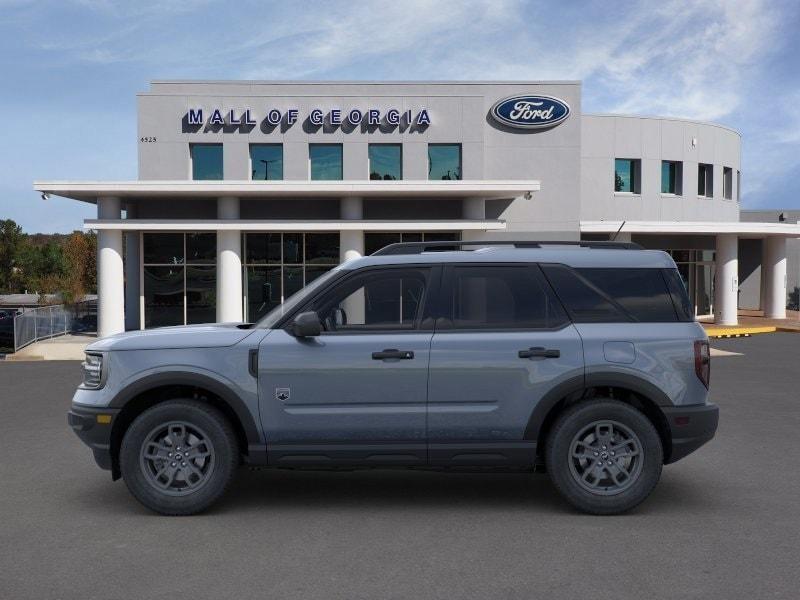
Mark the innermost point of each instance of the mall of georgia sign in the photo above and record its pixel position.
(530, 112)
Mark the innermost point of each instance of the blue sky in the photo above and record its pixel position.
(70, 70)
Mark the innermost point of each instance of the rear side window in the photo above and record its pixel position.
(613, 295)
(501, 297)
(680, 297)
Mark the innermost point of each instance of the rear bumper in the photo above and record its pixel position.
(690, 427)
(96, 435)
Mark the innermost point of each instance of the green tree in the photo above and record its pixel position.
(11, 240)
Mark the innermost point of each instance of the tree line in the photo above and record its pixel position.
(43, 264)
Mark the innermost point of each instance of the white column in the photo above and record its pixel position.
(726, 284)
(110, 279)
(474, 209)
(351, 246)
(773, 269)
(132, 268)
(229, 264)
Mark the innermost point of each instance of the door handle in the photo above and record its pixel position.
(539, 352)
(392, 353)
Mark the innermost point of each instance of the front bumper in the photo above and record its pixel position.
(93, 431)
(690, 427)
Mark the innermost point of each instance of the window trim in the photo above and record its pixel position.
(442, 313)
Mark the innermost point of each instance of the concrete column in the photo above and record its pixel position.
(773, 269)
(229, 264)
(726, 284)
(132, 270)
(110, 279)
(474, 209)
(351, 246)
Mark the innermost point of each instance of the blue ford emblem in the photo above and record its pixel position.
(530, 112)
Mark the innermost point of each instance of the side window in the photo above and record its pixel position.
(375, 301)
(502, 297)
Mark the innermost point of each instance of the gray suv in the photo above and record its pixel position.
(582, 359)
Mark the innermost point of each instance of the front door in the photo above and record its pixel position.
(501, 344)
(358, 392)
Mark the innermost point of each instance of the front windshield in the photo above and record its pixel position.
(269, 320)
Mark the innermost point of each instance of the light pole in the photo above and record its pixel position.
(266, 167)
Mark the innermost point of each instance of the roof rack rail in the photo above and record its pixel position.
(420, 247)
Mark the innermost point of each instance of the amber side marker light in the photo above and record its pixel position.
(104, 419)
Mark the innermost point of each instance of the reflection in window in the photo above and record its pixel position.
(374, 241)
(326, 161)
(385, 162)
(201, 294)
(201, 248)
(206, 161)
(727, 183)
(163, 296)
(163, 248)
(705, 180)
(266, 162)
(626, 175)
(263, 290)
(444, 161)
(671, 175)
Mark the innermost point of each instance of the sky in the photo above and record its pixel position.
(70, 70)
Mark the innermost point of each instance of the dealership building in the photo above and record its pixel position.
(249, 190)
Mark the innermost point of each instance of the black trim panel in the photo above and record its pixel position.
(483, 454)
(690, 427)
(631, 382)
(97, 436)
(331, 455)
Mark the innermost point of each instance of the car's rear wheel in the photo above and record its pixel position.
(604, 456)
(178, 457)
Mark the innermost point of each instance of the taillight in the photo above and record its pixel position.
(702, 361)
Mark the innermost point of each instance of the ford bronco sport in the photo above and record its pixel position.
(582, 359)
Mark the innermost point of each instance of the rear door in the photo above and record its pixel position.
(502, 342)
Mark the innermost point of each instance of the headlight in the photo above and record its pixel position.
(93, 371)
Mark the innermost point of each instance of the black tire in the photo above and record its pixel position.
(195, 480)
(591, 431)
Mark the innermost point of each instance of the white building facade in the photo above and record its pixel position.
(247, 191)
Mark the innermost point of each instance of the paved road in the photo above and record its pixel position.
(723, 523)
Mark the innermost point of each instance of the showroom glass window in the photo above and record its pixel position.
(385, 162)
(266, 162)
(374, 241)
(325, 162)
(705, 180)
(180, 278)
(444, 161)
(627, 175)
(206, 161)
(276, 265)
(671, 176)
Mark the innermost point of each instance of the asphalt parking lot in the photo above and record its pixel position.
(723, 523)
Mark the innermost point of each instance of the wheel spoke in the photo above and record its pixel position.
(605, 457)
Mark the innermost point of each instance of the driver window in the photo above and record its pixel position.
(385, 300)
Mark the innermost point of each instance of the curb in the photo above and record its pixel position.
(734, 332)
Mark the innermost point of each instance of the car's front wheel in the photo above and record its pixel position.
(178, 457)
(604, 456)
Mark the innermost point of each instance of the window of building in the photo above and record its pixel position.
(325, 161)
(727, 183)
(738, 186)
(266, 162)
(378, 300)
(385, 162)
(444, 161)
(276, 265)
(206, 161)
(671, 177)
(627, 175)
(501, 297)
(374, 241)
(180, 278)
(705, 180)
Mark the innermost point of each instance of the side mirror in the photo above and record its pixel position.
(306, 325)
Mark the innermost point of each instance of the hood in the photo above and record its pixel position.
(166, 338)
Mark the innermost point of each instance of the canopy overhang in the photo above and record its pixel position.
(291, 225)
(741, 228)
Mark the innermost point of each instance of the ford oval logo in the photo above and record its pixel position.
(530, 112)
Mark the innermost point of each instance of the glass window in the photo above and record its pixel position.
(163, 248)
(292, 248)
(727, 183)
(680, 297)
(626, 175)
(163, 296)
(292, 280)
(201, 248)
(325, 161)
(738, 186)
(266, 162)
(322, 248)
(201, 294)
(444, 161)
(385, 162)
(671, 176)
(263, 290)
(263, 248)
(206, 161)
(705, 180)
(375, 300)
(500, 297)
(374, 241)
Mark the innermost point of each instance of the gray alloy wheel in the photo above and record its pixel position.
(606, 457)
(177, 458)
